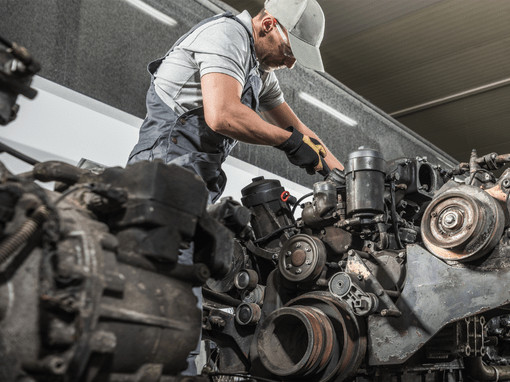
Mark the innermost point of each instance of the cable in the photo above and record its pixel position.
(271, 234)
(299, 201)
(472, 176)
(394, 218)
(68, 192)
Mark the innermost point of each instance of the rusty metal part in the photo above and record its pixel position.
(248, 314)
(356, 265)
(344, 286)
(302, 258)
(463, 224)
(9, 246)
(434, 295)
(479, 371)
(314, 336)
(293, 341)
(337, 240)
(501, 190)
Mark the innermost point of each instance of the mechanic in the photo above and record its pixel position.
(205, 94)
(206, 91)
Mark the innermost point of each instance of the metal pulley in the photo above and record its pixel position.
(462, 224)
(302, 258)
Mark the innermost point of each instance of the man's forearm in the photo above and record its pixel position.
(240, 122)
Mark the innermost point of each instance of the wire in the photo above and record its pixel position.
(299, 201)
(271, 234)
(394, 218)
(68, 192)
(472, 176)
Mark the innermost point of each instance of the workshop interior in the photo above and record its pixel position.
(396, 269)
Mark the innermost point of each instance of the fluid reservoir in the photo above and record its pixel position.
(365, 176)
(267, 200)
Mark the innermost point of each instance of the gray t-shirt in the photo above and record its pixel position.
(220, 46)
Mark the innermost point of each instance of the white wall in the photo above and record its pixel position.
(60, 124)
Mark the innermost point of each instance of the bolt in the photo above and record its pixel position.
(506, 183)
(298, 245)
(288, 266)
(298, 271)
(308, 262)
(275, 256)
(434, 214)
(449, 218)
(360, 278)
(288, 253)
(308, 249)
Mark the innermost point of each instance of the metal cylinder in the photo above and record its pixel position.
(364, 173)
(265, 199)
(463, 224)
(302, 258)
(248, 314)
(315, 337)
(296, 341)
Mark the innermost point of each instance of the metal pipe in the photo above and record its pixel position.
(479, 371)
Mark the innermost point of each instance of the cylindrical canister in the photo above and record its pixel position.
(365, 176)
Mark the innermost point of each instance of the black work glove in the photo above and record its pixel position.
(305, 152)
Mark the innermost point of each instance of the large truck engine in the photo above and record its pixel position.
(395, 271)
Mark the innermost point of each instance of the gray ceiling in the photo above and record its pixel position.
(441, 67)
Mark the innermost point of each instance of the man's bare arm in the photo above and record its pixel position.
(225, 114)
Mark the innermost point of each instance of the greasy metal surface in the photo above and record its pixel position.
(302, 258)
(462, 223)
(434, 294)
(349, 332)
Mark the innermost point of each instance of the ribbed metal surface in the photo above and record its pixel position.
(401, 53)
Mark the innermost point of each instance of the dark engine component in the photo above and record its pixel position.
(267, 200)
(400, 273)
(17, 67)
(364, 175)
(90, 287)
(302, 258)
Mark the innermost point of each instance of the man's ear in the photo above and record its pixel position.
(268, 24)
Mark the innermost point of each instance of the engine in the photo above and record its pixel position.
(395, 271)
(91, 288)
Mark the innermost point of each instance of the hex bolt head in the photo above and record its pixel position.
(308, 249)
(288, 266)
(308, 262)
(298, 245)
(288, 253)
(298, 271)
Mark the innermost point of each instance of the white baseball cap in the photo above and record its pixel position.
(304, 21)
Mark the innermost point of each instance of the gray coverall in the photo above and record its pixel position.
(187, 141)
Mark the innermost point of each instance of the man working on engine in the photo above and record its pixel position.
(206, 91)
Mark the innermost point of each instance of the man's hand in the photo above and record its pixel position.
(305, 152)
